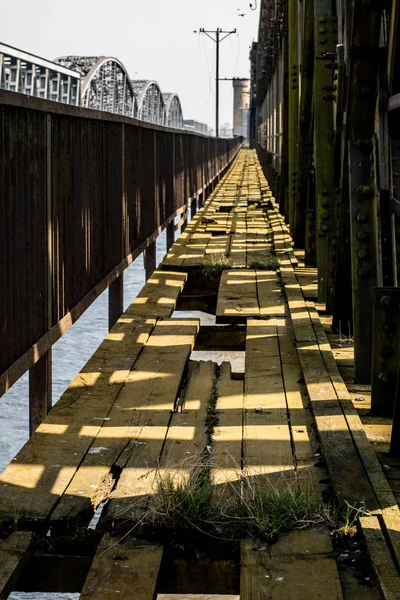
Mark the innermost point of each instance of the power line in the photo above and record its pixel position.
(217, 39)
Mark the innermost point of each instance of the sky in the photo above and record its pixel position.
(154, 39)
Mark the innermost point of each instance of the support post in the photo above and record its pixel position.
(40, 375)
(40, 391)
(200, 199)
(115, 300)
(395, 437)
(170, 234)
(193, 208)
(293, 108)
(363, 229)
(150, 259)
(304, 222)
(324, 148)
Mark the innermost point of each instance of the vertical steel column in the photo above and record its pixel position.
(150, 259)
(40, 375)
(115, 300)
(293, 108)
(116, 289)
(304, 232)
(363, 229)
(360, 124)
(170, 234)
(40, 391)
(325, 38)
(284, 181)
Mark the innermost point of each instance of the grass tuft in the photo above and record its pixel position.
(272, 264)
(186, 504)
(213, 266)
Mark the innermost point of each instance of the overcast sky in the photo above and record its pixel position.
(154, 39)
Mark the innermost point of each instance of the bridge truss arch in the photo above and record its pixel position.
(151, 105)
(105, 84)
(173, 116)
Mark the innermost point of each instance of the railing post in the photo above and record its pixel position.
(193, 207)
(40, 393)
(150, 259)
(170, 234)
(115, 300)
(40, 375)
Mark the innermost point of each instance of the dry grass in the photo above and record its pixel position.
(269, 264)
(191, 506)
(213, 265)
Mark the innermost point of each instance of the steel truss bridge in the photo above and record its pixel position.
(96, 82)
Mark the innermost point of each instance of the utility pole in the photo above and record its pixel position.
(217, 39)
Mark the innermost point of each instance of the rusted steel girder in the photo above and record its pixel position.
(293, 109)
(304, 214)
(325, 39)
(361, 108)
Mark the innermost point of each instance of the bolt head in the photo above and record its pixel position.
(383, 377)
(386, 301)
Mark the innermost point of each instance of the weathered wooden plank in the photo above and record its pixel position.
(267, 448)
(227, 435)
(300, 565)
(270, 297)
(44, 467)
(238, 245)
(137, 423)
(237, 296)
(186, 439)
(14, 555)
(373, 469)
(385, 571)
(159, 296)
(197, 597)
(345, 467)
(122, 570)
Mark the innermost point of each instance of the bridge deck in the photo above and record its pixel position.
(143, 414)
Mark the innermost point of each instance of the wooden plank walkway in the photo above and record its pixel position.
(142, 411)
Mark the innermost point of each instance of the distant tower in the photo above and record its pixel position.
(241, 94)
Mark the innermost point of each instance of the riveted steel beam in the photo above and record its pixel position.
(395, 147)
(325, 39)
(363, 230)
(304, 223)
(293, 106)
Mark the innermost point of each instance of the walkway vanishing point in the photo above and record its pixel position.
(144, 416)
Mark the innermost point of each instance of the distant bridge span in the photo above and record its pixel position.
(96, 82)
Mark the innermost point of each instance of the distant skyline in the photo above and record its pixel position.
(153, 39)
